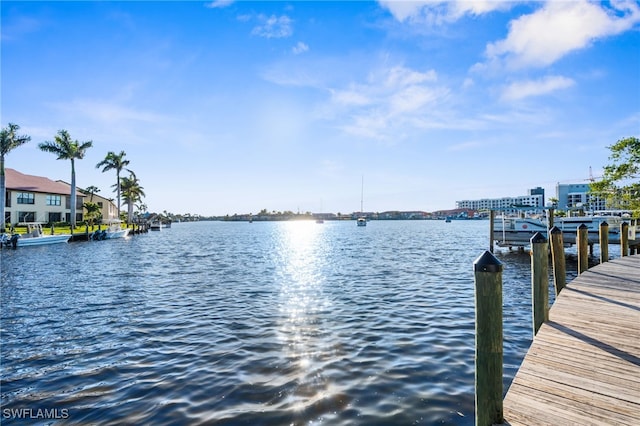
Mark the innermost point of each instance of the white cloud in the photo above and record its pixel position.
(412, 99)
(106, 112)
(403, 10)
(349, 97)
(219, 4)
(389, 102)
(273, 26)
(525, 89)
(438, 12)
(299, 48)
(466, 146)
(400, 76)
(558, 28)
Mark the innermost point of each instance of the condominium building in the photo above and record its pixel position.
(39, 199)
(576, 196)
(533, 202)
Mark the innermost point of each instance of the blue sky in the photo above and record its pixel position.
(233, 107)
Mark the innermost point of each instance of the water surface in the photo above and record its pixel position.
(264, 323)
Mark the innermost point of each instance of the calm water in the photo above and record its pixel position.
(261, 324)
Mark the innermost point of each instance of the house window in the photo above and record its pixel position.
(55, 217)
(54, 200)
(26, 198)
(7, 199)
(26, 216)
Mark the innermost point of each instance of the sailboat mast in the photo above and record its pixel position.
(362, 195)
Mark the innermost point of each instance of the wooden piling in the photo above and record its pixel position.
(582, 240)
(492, 216)
(558, 259)
(488, 374)
(539, 280)
(624, 239)
(604, 241)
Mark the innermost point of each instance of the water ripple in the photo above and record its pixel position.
(267, 324)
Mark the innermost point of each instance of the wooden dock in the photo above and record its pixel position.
(583, 367)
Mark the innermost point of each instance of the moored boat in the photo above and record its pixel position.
(115, 230)
(362, 220)
(517, 231)
(34, 237)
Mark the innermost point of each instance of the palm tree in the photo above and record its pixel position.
(132, 193)
(93, 212)
(91, 190)
(67, 149)
(115, 162)
(8, 141)
(142, 207)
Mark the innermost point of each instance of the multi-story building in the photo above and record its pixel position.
(108, 209)
(40, 199)
(575, 196)
(37, 199)
(533, 202)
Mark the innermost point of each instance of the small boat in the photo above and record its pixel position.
(34, 237)
(361, 221)
(115, 230)
(448, 219)
(517, 231)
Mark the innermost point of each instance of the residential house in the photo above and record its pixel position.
(108, 209)
(38, 199)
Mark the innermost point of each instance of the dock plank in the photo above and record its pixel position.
(583, 366)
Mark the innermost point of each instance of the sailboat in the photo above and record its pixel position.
(362, 220)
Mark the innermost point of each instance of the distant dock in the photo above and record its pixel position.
(583, 367)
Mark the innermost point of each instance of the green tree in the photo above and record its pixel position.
(67, 149)
(620, 184)
(91, 190)
(115, 162)
(8, 141)
(132, 193)
(93, 212)
(142, 208)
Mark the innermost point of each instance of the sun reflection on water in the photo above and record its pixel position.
(302, 257)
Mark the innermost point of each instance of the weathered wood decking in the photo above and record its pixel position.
(583, 367)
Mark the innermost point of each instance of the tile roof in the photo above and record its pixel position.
(17, 181)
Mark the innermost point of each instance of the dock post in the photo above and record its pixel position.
(492, 216)
(539, 280)
(558, 260)
(604, 242)
(488, 285)
(624, 239)
(583, 244)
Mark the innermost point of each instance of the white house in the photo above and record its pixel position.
(38, 199)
